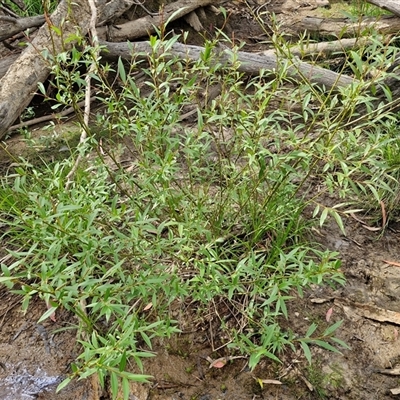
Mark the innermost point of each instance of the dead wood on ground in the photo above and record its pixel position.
(250, 63)
(10, 26)
(389, 5)
(343, 27)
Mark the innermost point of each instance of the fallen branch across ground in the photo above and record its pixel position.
(250, 63)
(10, 26)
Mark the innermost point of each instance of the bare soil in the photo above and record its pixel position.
(35, 358)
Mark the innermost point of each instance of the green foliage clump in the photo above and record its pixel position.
(209, 212)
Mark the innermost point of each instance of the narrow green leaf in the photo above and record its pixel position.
(47, 314)
(306, 350)
(126, 389)
(114, 385)
(326, 346)
(311, 330)
(6, 278)
(340, 342)
(62, 385)
(316, 211)
(339, 221)
(122, 363)
(323, 216)
(332, 328)
(121, 70)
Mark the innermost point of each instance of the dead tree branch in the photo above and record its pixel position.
(11, 26)
(343, 27)
(250, 63)
(389, 5)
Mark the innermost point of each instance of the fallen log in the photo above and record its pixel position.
(6, 62)
(10, 26)
(343, 27)
(325, 49)
(250, 63)
(389, 5)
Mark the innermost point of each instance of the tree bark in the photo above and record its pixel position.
(11, 26)
(389, 5)
(6, 62)
(343, 27)
(325, 49)
(249, 63)
(19, 84)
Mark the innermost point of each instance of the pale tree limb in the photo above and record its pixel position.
(11, 26)
(327, 48)
(50, 117)
(249, 63)
(342, 27)
(92, 70)
(389, 5)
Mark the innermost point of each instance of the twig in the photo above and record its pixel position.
(141, 4)
(46, 118)
(8, 11)
(92, 69)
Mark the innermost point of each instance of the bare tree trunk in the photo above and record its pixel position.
(19, 84)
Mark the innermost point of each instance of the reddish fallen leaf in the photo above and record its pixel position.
(329, 314)
(220, 363)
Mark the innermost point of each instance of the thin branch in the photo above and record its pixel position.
(92, 69)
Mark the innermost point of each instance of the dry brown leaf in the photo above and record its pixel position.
(148, 307)
(317, 300)
(357, 219)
